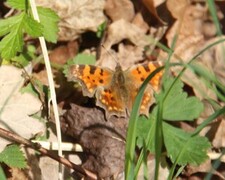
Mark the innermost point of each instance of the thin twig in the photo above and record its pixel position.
(36, 146)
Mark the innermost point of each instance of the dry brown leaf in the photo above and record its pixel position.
(219, 139)
(190, 41)
(127, 54)
(139, 22)
(163, 170)
(190, 16)
(177, 7)
(16, 107)
(76, 16)
(199, 172)
(122, 9)
(61, 54)
(120, 30)
(150, 5)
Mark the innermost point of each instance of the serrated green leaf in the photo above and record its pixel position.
(13, 157)
(12, 43)
(177, 105)
(18, 4)
(32, 27)
(146, 126)
(49, 20)
(6, 25)
(184, 148)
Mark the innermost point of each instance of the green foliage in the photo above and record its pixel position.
(24, 58)
(18, 4)
(13, 157)
(132, 128)
(183, 147)
(177, 106)
(2, 174)
(49, 20)
(13, 40)
(38, 89)
(13, 28)
(146, 127)
(101, 29)
(84, 59)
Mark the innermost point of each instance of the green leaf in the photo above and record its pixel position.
(101, 29)
(32, 27)
(13, 157)
(49, 20)
(177, 106)
(24, 58)
(146, 127)
(84, 59)
(18, 4)
(2, 174)
(15, 26)
(6, 25)
(183, 147)
(13, 42)
(79, 59)
(37, 89)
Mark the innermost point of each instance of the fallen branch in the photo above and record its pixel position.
(36, 146)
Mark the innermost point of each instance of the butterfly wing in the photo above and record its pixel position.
(140, 73)
(90, 77)
(99, 81)
(136, 76)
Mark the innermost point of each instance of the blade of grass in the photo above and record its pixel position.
(131, 132)
(213, 11)
(210, 79)
(51, 86)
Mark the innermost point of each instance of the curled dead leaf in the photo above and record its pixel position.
(76, 17)
(122, 9)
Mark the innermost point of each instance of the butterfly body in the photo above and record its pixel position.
(115, 91)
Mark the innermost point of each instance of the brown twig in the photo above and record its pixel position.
(13, 137)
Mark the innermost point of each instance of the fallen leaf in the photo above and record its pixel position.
(76, 17)
(152, 8)
(163, 169)
(117, 10)
(16, 107)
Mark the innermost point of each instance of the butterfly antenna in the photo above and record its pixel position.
(110, 54)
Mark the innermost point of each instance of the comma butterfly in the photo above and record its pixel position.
(115, 91)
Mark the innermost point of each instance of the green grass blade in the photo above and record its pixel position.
(131, 132)
(213, 11)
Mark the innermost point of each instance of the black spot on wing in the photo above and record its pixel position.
(101, 73)
(147, 69)
(138, 70)
(92, 69)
